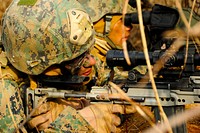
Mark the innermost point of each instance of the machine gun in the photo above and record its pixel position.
(174, 90)
(173, 95)
(177, 84)
(176, 87)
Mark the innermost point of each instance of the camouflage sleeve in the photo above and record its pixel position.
(11, 107)
(70, 121)
(103, 73)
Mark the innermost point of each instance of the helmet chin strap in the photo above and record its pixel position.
(107, 25)
(107, 29)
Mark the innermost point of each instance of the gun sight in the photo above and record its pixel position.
(116, 58)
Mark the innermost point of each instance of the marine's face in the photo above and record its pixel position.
(86, 68)
(119, 33)
(82, 66)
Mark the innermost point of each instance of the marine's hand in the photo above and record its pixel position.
(103, 118)
(49, 111)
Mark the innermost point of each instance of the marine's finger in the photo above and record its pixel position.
(118, 130)
(123, 109)
(44, 125)
(115, 129)
(116, 120)
(38, 120)
(42, 109)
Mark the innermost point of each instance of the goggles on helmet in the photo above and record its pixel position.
(77, 63)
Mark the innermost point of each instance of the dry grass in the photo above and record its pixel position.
(3, 7)
(137, 42)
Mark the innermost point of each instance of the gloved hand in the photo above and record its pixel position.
(100, 116)
(103, 118)
(49, 111)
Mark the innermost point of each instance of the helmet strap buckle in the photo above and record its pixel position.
(107, 20)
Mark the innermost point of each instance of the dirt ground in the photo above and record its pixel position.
(136, 124)
(193, 125)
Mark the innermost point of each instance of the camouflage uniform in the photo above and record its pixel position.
(9, 91)
(36, 35)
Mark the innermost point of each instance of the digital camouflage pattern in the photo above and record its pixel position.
(68, 121)
(98, 8)
(76, 123)
(71, 121)
(11, 107)
(36, 37)
(101, 69)
(9, 96)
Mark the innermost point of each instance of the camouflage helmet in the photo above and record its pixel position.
(38, 35)
(99, 8)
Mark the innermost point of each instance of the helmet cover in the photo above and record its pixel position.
(98, 8)
(46, 33)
